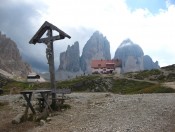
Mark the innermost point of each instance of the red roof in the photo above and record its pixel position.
(105, 63)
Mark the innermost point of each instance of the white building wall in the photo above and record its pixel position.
(104, 70)
(32, 80)
(97, 70)
(117, 70)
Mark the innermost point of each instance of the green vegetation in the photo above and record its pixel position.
(170, 77)
(156, 89)
(152, 75)
(16, 86)
(169, 68)
(98, 83)
(147, 73)
(124, 86)
(83, 83)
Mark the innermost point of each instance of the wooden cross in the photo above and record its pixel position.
(48, 27)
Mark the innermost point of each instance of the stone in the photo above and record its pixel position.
(18, 118)
(48, 119)
(42, 122)
(108, 95)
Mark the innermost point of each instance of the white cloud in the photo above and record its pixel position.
(80, 18)
(154, 33)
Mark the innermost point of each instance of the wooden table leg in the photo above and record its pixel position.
(45, 97)
(28, 99)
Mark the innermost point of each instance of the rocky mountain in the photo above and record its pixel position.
(70, 59)
(97, 47)
(149, 64)
(69, 63)
(72, 64)
(10, 58)
(133, 58)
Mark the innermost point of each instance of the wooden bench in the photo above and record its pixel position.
(43, 99)
(61, 99)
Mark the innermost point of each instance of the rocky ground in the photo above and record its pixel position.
(101, 112)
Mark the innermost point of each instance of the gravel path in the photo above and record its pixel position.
(104, 112)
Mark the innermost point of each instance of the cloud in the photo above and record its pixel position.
(20, 19)
(17, 22)
(170, 2)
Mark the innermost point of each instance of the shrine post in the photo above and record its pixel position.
(37, 38)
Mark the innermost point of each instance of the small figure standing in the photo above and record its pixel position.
(48, 52)
(48, 49)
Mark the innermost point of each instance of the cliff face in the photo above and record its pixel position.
(69, 60)
(97, 47)
(10, 58)
(149, 64)
(131, 55)
(133, 58)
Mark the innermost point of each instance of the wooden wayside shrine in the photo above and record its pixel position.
(48, 28)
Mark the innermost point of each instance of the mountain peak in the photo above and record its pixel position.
(69, 60)
(126, 42)
(96, 33)
(10, 58)
(97, 47)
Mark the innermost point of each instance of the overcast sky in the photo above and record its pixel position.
(149, 23)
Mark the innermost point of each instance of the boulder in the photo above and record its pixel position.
(18, 119)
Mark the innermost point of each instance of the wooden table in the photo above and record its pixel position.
(43, 101)
(27, 96)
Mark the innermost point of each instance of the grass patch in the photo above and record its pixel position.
(124, 86)
(78, 84)
(96, 83)
(157, 89)
(21, 86)
(147, 73)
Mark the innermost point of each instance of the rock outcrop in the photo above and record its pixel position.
(132, 57)
(69, 63)
(97, 47)
(72, 65)
(10, 58)
(149, 64)
(69, 60)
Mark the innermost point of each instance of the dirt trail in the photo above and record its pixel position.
(169, 84)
